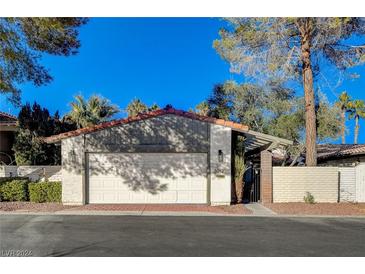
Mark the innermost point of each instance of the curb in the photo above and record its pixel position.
(121, 213)
(168, 214)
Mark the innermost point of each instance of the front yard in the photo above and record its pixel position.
(341, 209)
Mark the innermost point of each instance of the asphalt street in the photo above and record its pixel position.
(56, 235)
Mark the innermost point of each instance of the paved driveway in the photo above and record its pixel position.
(181, 236)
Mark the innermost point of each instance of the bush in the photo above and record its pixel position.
(14, 190)
(42, 192)
(309, 198)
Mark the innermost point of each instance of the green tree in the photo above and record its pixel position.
(35, 122)
(342, 104)
(292, 49)
(220, 105)
(135, 107)
(357, 111)
(23, 40)
(92, 111)
(30, 150)
(329, 125)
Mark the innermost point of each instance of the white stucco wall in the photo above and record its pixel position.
(347, 184)
(220, 178)
(290, 184)
(34, 173)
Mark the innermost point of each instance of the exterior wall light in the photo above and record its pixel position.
(220, 156)
(73, 155)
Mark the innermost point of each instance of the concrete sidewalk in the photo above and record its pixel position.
(258, 209)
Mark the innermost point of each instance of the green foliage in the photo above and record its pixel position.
(41, 192)
(29, 150)
(153, 107)
(309, 198)
(36, 122)
(91, 112)
(14, 190)
(270, 48)
(281, 48)
(328, 120)
(343, 104)
(135, 107)
(274, 110)
(356, 108)
(202, 108)
(220, 105)
(343, 101)
(23, 40)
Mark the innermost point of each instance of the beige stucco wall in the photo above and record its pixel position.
(220, 179)
(73, 171)
(165, 134)
(290, 184)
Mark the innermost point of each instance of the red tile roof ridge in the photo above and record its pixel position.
(144, 116)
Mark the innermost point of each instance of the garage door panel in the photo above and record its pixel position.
(147, 178)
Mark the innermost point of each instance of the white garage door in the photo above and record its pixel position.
(147, 178)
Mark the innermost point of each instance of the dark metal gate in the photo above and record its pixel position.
(255, 188)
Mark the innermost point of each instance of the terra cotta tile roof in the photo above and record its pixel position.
(7, 119)
(336, 151)
(144, 116)
(7, 116)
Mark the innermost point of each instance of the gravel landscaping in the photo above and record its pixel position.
(318, 209)
(32, 207)
(233, 209)
(53, 207)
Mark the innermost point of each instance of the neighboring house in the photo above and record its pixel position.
(340, 155)
(164, 156)
(327, 155)
(8, 127)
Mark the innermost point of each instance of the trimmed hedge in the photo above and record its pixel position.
(42, 192)
(14, 190)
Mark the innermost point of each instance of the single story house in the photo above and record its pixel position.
(340, 155)
(8, 127)
(163, 156)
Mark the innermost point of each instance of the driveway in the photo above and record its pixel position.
(60, 235)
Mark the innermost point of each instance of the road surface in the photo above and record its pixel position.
(53, 235)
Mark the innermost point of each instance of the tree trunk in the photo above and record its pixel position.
(310, 113)
(356, 129)
(239, 190)
(343, 121)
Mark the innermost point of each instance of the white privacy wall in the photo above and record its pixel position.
(290, 184)
(34, 173)
(347, 184)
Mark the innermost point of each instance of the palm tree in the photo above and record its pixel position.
(357, 111)
(96, 110)
(153, 107)
(202, 108)
(342, 104)
(135, 107)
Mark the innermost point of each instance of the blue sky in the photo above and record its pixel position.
(159, 60)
